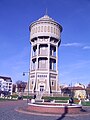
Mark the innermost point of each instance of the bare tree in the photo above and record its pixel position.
(21, 86)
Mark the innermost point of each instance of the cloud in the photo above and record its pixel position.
(83, 46)
(86, 47)
(80, 64)
(71, 45)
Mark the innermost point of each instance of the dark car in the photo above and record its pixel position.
(20, 98)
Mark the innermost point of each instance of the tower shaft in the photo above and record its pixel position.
(45, 40)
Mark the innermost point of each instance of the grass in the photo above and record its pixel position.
(55, 98)
(61, 101)
(85, 103)
(29, 97)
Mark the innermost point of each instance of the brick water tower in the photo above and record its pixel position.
(45, 39)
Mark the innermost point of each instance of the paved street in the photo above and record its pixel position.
(7, 112)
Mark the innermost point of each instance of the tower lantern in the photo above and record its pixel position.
(45, 40)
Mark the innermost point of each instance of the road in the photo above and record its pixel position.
(8, 112)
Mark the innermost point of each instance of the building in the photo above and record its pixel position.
(45, 38)
(79, 91)
(6, 84)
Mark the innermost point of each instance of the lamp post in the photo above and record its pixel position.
(27, 83)
(71, 90)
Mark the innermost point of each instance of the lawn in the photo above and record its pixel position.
(85, 103)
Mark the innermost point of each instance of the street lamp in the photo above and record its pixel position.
(27, 83)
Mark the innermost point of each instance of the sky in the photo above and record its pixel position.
(74, 51)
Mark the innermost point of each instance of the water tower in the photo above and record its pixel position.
(45, 39)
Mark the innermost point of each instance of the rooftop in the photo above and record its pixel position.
(6, 78)
(45, 17)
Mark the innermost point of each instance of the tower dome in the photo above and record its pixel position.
(45, 17)
(47, 26)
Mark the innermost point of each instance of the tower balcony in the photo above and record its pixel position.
(52, 71)
(43, 55)
(42, 69)
(53, 57)
(34, 57)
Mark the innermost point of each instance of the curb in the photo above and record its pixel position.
(45, 114)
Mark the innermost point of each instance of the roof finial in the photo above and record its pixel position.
(46, 12)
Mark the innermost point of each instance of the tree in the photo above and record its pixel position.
(14, 88)
(88, 91)
(21, 86)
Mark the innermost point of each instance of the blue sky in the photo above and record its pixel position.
(74, 52)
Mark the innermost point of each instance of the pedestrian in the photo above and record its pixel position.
(71, 101)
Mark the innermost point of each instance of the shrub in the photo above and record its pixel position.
(55, 98)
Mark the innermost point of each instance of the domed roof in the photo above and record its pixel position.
(45, 18)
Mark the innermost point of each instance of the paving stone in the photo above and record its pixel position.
(7, 112)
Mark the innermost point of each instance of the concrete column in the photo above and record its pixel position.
(37, 54)
(52, 52)
(31, 58)
(52, 66)
(56, 66)
(56, 58)
(48, 81)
